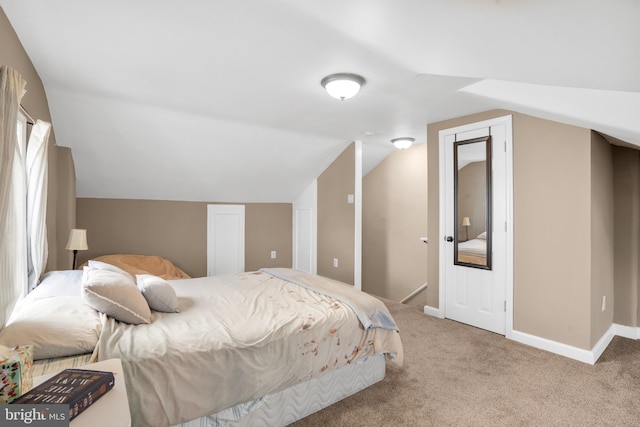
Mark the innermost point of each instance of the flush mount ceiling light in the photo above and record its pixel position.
(402, 143)
(342, 85)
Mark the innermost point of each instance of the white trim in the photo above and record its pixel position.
(357, 250)
(509, 196)
(435, 312)
(631, 332)
(579, 354)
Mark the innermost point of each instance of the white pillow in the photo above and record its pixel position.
(482, 235)
(114, 294)
(109, 267)
(58, 284)
(57, 327)
(159, 294)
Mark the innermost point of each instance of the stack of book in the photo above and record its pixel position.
(78, 388)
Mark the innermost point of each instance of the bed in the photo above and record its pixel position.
(258, 348)
(473, 251)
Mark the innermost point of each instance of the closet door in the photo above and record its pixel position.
(225, 239)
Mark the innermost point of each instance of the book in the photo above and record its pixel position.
(78, 388)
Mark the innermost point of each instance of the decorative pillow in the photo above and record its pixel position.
(57, 327)
(159, 294)
(482, 235)
(115, 294)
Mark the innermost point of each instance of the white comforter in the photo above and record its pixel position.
(237, 338)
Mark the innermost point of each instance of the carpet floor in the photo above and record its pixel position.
(458, 375)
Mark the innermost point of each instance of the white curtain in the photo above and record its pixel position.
(13, 234)
(37, 167)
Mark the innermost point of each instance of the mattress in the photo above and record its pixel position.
(296, 402)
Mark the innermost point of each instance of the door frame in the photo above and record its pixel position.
(507, 122)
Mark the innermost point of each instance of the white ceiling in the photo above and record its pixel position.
(221, 100)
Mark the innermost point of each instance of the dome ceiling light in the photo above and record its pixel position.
(402, 143)
(342, 85)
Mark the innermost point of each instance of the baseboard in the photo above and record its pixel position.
(582, 355)
(630, 332)
(432, 311)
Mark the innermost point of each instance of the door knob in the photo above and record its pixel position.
(449, 239)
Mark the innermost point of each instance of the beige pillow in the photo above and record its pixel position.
(159, 294)
(114, 294)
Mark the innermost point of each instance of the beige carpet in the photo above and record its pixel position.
(457, 375)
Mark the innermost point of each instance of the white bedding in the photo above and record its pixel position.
(236, 338)
(476, 247)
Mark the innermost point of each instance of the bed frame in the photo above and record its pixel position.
(296, 402)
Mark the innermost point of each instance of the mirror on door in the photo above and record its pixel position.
(472, 210)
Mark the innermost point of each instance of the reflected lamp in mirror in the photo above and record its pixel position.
(402, 143)
(466, 223)
(77, 242)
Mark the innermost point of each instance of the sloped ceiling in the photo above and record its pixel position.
(221, 100)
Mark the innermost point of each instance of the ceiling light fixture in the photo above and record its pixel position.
(402, 143)
(342, 85)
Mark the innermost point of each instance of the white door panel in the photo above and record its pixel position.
(305, 230)
(476, 296)
(225, 239)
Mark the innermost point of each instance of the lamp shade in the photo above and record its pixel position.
(402, 143)
(77, 240)
(466, 222)
(342, 85)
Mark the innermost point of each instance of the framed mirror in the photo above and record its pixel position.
(472, 196)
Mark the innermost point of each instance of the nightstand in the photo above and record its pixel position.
(112, 409)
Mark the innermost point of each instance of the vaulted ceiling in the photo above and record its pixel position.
(221, 100)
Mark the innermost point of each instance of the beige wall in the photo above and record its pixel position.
(336, 218)
(552, 213)
(602, 237)
(178, 231)
(626, 196)
(394, 210)
(560, 179)
(35, 102)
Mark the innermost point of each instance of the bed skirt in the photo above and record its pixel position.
(296, 402)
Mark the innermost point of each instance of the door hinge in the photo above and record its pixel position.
(505, 145)
(505, 306)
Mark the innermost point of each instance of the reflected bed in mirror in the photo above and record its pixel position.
(472, 187)
(473, 251)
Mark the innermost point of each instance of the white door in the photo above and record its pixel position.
(225, 239)
(475, 288)
(305, 230)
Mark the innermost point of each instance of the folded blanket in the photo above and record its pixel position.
(371, 312)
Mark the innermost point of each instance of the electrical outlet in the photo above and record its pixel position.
(335, 262)
(350, 198)
(604, 302)
(273, 254)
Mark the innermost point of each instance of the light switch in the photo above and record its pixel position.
(350, 198)
(273, 254)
